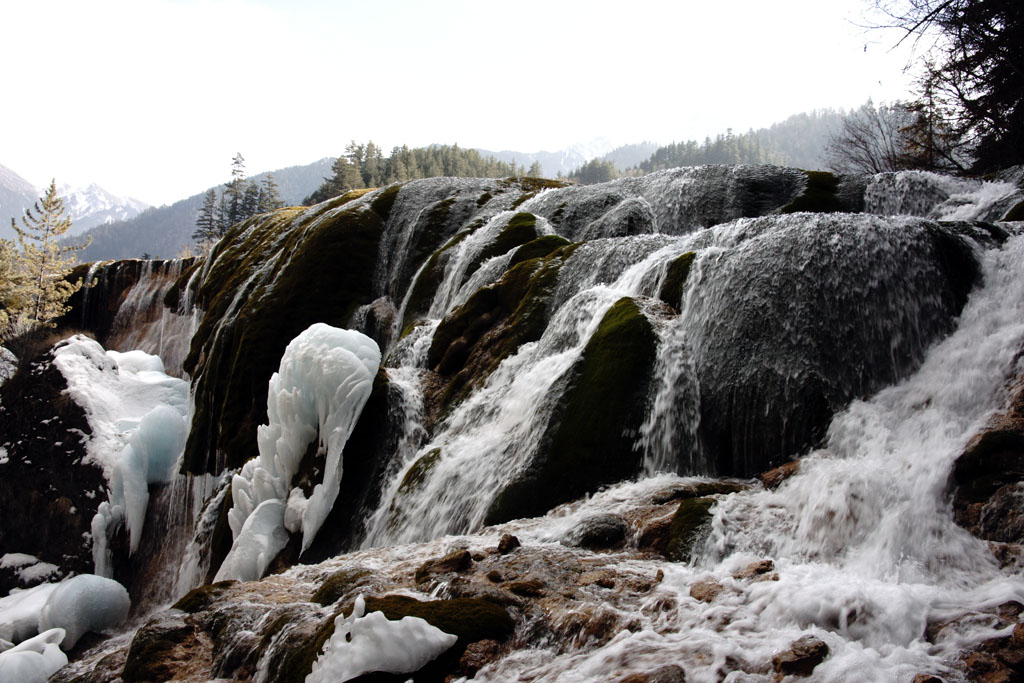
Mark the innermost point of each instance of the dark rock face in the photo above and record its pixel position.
(808, 315)
(96, 305)
(988, 478)
(48, 495)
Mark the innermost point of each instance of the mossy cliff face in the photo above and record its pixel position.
(472, 340)
(107, 285)
(266, 281)
(589, 439)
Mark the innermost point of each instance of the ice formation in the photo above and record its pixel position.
(19, 612)
(34, 660)
(324, 381)
(137, 416)
(84, 603)
(364, 643)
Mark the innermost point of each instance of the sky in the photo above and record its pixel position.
(152, 98)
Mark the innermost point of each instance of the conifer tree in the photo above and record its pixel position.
(234, 192)
(270, 198)
(207, 224)
(13, 292)
(43, 260)
(250, 201)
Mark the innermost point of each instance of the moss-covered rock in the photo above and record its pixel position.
(588, 442)
(428, 280)
(538, 248)
(689, 525)
(819, 195)
(521, 228)
(471, 341)
(676, 274)
(173, 295)
(417, 474)
(256, 296)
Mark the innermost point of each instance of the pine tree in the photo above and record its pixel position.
(13, 292)
(250, 201)
(270, 198)
(207, 224)
(535, 170)
(234, 192)
(44, 262)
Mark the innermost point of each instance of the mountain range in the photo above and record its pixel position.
(87, 206)
(125, 228)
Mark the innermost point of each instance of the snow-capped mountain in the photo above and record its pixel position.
(563, 161)
(92, 205)
(87, 206)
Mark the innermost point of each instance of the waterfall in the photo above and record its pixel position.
(871, 346)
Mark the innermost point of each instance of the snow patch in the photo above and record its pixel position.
(30, 568)
(324, 380)
(364, 643)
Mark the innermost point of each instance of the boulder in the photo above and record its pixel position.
(800, 659)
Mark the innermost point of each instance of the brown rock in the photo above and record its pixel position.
(457, 561)
(507, 544)
(755, 569)
(655, 534)
(670, 673)
(706, 590)
(605, 578)
(803, 655)
(531, 588)
(1017, 639)
(773, 477)
(927, 678)
(478, 655)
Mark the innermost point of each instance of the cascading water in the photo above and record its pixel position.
(774, 336)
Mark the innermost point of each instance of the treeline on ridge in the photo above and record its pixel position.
(366, 166)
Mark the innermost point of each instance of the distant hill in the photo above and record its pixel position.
(164, 232)
(87, 206)
(562, 161)
(628, 156)
(798, 141)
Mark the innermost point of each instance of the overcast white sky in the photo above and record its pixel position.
(152, 98)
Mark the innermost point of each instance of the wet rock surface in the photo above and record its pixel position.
(988, 479)
(499, 595)
(800, 659)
